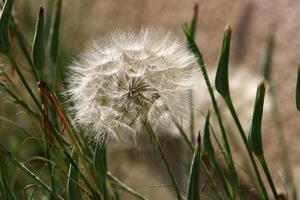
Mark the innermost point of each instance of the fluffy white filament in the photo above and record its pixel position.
(122, 80)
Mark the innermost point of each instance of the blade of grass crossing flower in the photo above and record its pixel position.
(298, 89)
(222, 86)
(255, 137)
(73, 189)
(193, 26)
(227, 151)
(4, 23)
(100, 166)
(208, 147)
(38, 48)
(193, 183)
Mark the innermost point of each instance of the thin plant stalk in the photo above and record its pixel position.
(268, 175)
(20, 165)
(227, 154)
(122, 185)
(20, 74)
(163, 157)
(231, 108)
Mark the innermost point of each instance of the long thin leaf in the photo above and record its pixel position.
(4, 23)
(255, 138)
(298, 89)
(193, 183)
(209, 148)
(54, 31)
(221, 81)
(8, 155)
(38, 48)
(73, 189)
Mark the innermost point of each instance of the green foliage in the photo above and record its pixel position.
(78, 169)
(255, 138)
(221, 81)
(4, 24)
(298, 89)
(193, 183)
(54, 32)
(38, 49)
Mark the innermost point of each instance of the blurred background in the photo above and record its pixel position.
(252, 21)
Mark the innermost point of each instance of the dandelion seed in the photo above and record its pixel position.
(128, 77)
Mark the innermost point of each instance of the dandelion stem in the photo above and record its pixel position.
(163, 157)
(125, 187)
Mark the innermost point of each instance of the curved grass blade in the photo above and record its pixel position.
(221, 81)
(227, 150)
(222, 86)
(38, 48)
(4, 23)
(255, 138)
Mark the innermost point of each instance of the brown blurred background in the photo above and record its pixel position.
(252, 22)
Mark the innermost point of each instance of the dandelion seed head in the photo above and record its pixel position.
(128, 77)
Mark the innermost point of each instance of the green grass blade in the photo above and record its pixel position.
(209, 148)
(6, 190)
(193, 183)
(4, 23)
(100, 166)
(54, 32)
(8, 155)
(227, 150)
(162, 155)
(38, 48)
(221, 81)
(125, 187)
(267, 58)
(73, 189)
(255, 138)
(298, 89)
(193, 24)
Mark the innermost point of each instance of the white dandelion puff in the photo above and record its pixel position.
(127, 77)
